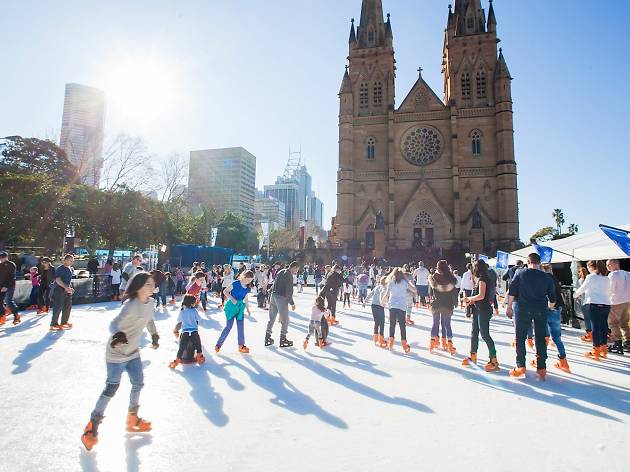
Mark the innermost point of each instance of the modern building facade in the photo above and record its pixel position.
(428, 171)
(82, 130)
(271, 210)
(224, 179)
(288, 194)
(316, 211)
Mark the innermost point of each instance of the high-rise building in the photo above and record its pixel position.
(428, 170)
(316, 211)
(82, 129)
(224, 179)
(270, 209)
(289, 194)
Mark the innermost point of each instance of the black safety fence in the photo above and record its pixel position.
(86, 290)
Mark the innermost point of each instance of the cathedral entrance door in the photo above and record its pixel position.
(417, 237)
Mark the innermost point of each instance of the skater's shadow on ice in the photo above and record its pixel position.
(286, 394)
(8, 330)
(208, 399)
(339, 377)
(133, 443)
(88, 461)
(350, 360)
(32, 351)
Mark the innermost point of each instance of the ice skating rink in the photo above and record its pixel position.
(350, 407)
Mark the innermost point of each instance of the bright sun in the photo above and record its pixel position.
(141, 88)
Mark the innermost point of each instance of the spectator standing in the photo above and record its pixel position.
(619, 316)
(7, 288)
(62, 295)
(46, 278)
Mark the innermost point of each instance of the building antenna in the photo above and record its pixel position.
(293, 164)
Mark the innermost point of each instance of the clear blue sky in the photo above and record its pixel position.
(265, 76)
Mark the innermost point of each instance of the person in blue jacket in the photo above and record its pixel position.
(236, 294)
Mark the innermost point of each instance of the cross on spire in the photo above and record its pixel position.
(420, 69)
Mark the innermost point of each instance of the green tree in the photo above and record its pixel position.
(573, 229)
(558, 217)
(543, 234)
(282, 239)
(37, 156)
(233, 233)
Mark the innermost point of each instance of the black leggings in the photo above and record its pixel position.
(185, 338)
(378, 312)
(346, 298)
(397, 316)
(481, 324)
(331, 299)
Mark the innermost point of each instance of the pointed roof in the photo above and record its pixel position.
(371, 21)
(463, 8)
(346, 83)
(388, 27)
(353, 36)
(502, 68)
(430, 102)
(492, 19)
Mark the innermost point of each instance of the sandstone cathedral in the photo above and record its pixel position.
(429, 172)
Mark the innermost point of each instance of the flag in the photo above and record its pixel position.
(502, 260)
(483, 257)
(620, 237)
(545, 253)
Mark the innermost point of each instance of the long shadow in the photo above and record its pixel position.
(202, 392)
(87, 460)
(32, 351)
(337, 376)
(9, 329)
(565, 392)
(286, 395)
(133, 443)
(350, 360)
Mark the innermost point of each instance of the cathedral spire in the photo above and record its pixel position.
(353, 36)
(470, 18)
(492, 20)
(371, 32)
(502, 70)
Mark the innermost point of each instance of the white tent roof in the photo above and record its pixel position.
(594, 245)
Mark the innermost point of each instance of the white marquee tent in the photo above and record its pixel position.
(594, 245)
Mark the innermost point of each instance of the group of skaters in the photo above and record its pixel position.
(534, 302)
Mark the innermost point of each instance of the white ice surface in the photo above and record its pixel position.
(350, 407)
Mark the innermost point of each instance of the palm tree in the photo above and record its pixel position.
(558, 216)
(573, 228)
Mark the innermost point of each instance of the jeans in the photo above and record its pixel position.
(62, 303)
(553, 324)
(203, 298)
(525, 317)
(423, 292)
(314, 328)
(588, 326)
(180, 286)
(397, 316)
(133, 368)
(442, 316)
(362, 293)
(34, 295)
(378, 312)
(160, 297)
(599, 318)
(530, 330)
(481, 324)
(240, 328)
(278, 305)
(7, 298)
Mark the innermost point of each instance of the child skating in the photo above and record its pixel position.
(378, 311)
(188, 322)
(347, 291)
(315, 325)
(236, 294)
(122, 354)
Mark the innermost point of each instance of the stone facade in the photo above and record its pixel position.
(442, 172)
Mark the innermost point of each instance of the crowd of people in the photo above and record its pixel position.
(533, 299)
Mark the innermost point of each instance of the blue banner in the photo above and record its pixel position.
(483, 257)
(545, 253)
(620, 237)
(502, 260)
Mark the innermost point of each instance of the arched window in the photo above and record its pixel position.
(363, 95)
(476, 142)
(371, 148)
(378, 93)
(481, 84)
(466, 85)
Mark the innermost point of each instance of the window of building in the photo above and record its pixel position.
(371, 37)
(371, 148)
(466, 85)
(363, 95)
(378, 93)
(481, 84)
(476, 142)
(470, 22)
